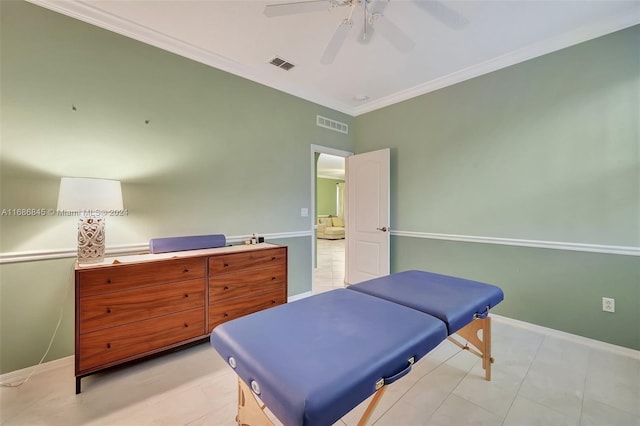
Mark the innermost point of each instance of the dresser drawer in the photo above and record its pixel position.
(124, 277)
(228, 310)
(244, 283)
(249, 259)
(114, 309)
(119, 343)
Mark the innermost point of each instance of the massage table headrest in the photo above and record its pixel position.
(456, 301)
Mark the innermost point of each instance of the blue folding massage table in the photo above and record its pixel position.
(313, 360)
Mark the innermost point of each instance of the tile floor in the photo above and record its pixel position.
(329, 273)
(537, 380)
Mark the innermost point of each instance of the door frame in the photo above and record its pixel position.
(312, 213)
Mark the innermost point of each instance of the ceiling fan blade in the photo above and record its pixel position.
(336, 42)
(294, 8)
(393, 34)
(443, 13)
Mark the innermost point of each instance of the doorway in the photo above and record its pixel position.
(328, 213)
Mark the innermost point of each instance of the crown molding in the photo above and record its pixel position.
(84, 11)
(512, 58)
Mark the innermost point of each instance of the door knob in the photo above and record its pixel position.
(383, 229)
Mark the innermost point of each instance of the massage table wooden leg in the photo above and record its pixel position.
(483, 346)
(396, 317)
(251, 412)
(372, 406)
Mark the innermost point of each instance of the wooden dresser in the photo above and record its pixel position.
(130, 307)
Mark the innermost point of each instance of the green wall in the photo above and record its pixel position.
(556, 289)
(211, 159)
(327, 204)
(32, 298)
(544, 150)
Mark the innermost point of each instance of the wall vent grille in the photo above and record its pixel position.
(334, 125)
(281, 63)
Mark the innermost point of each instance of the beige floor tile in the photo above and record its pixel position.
(595, 413)
(614, 380)
(459, 411)
(536, 380)
(491, 396)
(528, 413)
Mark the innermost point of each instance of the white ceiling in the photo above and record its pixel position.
(330, 167)
(454, 40)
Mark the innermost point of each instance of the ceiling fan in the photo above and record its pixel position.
(373, 17)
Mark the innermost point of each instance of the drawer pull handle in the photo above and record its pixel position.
(186, 325)
(108, 345)
(109, 281)
(273, 302)
(226, 287)
(273, 278)
(273, 258)
(226, 315)
(226, 265)
(186, 295)
(185, 271)
(108, 310)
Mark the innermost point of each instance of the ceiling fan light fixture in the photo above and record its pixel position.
(373, 16)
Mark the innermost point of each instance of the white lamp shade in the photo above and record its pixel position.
(89, 193)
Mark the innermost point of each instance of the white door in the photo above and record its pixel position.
(367, 224)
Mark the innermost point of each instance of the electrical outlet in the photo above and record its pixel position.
(304, 212)
(608, 304)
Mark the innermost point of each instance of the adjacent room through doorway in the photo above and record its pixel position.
(329, 219)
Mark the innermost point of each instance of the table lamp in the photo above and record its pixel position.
(91, 199)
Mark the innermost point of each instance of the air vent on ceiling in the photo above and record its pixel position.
(281, 63)
(332, 124)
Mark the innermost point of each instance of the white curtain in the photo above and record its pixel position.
(340, 200)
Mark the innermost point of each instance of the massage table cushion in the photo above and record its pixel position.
(456, 301)
(305, 370)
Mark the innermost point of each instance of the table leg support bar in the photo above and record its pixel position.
(483, 345)
(251, 412)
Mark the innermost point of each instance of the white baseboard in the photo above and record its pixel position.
(592, 343)
(19, 375)
(299, 296)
